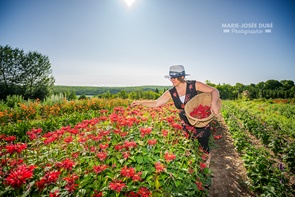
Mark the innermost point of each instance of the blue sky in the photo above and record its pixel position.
(107, 43)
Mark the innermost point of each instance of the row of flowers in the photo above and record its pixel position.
(123, 152)
(33, 110)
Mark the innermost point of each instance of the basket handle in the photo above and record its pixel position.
(196, 122)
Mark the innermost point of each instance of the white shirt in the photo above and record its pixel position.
(182, 98)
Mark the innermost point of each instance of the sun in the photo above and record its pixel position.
(129, 2)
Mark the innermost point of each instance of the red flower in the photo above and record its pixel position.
(132, 194)
(102, 155)
(204, 157)
(202, 165)
(126, 155)
(104, 146)
(117, 185)
(159, 167)
(176, 126)
(164, 132)
(123, 134)
(200, 185)
(68, 139)
(18, 148)
(73, 131)
(54, 194)
(152, 142)
(170, 119)
(49, 177)
(15, 162)
(99, 169)
(71, 179)
(169, 157)
(144, 192)
(66, 164)
(93, 149)
(119, 147)
(145, 131)
(83, 139)
(2, 136)
(97, 194)
(9, 138)
(128, 172)
(50, 139)
(190, 128)
(117, 131)
(103, 118)
(201, 111)
(182, 106)
(19, 176)
(137, 177)
(96, 138)
(129, 145)
(33, 134)
(75, 155)
(217, 137)
(71, 186)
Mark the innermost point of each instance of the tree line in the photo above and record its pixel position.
(270, 89)
(29, 75)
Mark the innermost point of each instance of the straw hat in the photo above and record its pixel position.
(176, 71)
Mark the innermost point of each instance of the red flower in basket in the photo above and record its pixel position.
(201, 111)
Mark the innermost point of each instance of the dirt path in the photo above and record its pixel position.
(229, 174)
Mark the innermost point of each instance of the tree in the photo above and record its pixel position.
(71, 95)
(287, 84)
(239, 89)
(9, 71)
(29, 74)
(272, 84)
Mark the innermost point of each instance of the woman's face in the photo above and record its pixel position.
(174, 81)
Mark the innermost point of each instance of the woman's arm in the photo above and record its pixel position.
(214, 95)
(154, 103)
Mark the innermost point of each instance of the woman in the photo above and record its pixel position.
(181, 92)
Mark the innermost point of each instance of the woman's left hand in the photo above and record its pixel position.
(215, 109)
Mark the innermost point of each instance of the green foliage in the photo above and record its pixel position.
(53, 99)
(83, 96)
(12, 101)
(269, 159)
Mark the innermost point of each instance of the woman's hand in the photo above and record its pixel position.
(215, 109)
(135, 103)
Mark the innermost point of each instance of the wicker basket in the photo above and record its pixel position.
(204, 99)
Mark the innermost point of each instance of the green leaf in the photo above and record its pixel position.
(139, 159)
(7, 189)
(144, 173)
(30, 186)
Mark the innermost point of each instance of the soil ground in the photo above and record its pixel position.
(228, 171)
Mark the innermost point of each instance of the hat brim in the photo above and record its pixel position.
(168, 76)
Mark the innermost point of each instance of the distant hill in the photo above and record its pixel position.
(91, 90)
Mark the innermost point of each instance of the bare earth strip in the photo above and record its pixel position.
(229, 173)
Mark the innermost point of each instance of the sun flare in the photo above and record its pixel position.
(129, 2)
